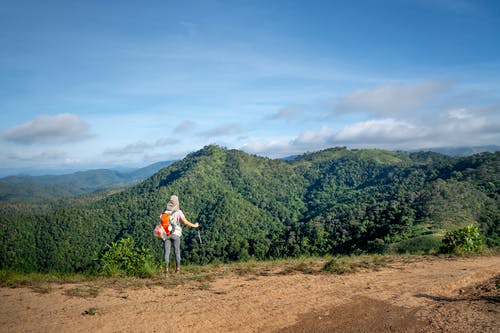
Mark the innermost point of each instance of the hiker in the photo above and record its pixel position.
(175, 237)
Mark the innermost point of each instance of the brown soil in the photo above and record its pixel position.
(423, 295)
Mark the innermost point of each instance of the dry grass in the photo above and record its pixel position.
(198, 276)
(351, 264)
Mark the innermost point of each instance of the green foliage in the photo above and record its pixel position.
(452, 203)
(11, 278)
(425, 244)
(462, 241)
(336, 201)
(90, 312)
(124, 258)
(489, 220)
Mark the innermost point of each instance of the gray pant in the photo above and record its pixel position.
(177, 249)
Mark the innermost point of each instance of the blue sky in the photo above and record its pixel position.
(91, 84)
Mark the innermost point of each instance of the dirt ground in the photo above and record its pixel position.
(428, 294)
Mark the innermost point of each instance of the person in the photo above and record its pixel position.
(175, 236)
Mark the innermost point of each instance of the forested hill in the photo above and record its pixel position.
(42, 188)
(328, 202)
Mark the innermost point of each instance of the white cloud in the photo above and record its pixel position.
(39, 157)
(459, 114)
(166, 142)
(379, 131)
(134, 148)
(286, 112)
(315, 138)
(460, 127)
(221, 130)
(72, 161)
(280, 147)
(61, 128)
(272, 147)
(186, 125)
(141, 147)
(391, 99)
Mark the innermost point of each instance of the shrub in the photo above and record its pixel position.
(462, 241)
(124, 258)
(425, 244)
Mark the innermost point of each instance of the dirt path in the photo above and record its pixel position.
(427, 295)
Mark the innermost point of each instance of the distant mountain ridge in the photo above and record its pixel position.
(36, 188)
(462, 151)
(449, 151)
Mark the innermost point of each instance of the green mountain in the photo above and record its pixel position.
(327, 202)
(49, 187)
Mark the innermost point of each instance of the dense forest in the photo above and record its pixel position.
(335, 201)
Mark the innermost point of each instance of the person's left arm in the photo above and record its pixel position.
(189, 224)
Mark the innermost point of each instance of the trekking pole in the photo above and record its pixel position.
(201, 242)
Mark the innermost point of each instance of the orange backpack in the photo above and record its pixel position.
(165, 221)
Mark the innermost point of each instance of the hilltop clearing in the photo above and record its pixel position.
(416, 294)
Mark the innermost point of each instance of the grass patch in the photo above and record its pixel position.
(90, 312)
(425, 244)
(88, 291)
(9, 278)
(200, 277)
(304, 265)
(191, 274)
